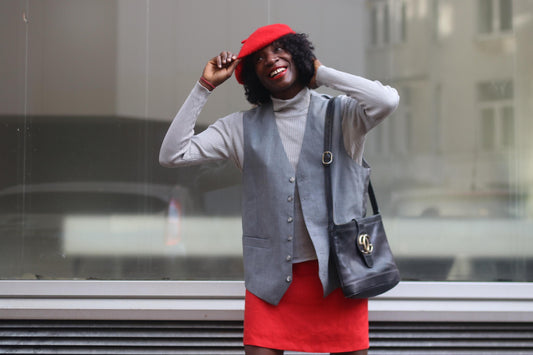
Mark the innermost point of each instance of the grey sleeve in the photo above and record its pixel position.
(221, 140)
(366, 103)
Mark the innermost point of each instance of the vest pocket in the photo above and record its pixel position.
(255, 241)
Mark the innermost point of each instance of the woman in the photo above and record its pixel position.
(293, 301)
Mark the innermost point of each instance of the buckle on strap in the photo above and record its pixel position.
(327, 158)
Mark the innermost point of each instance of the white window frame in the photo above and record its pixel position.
(224, 300)
(498, 139)
(392, 31)
(399, 33)
(497, 106)
(495, 25)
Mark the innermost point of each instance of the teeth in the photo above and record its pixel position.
(276, 72)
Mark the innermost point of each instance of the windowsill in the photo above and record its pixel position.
(224, 300)
(492, 36)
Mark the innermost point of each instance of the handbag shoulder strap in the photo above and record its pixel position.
(327, 160)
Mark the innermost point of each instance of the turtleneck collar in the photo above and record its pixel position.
(300, 102)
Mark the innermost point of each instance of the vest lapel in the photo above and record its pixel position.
(314, 133)
(271, 133)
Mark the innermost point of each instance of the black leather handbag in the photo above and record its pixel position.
(360, 249)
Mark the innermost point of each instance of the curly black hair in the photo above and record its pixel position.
(301, 50)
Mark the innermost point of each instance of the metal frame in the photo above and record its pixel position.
(224, 300)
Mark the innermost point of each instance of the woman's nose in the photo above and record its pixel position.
(271, 58)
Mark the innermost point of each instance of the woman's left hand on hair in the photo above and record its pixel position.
(313, 84)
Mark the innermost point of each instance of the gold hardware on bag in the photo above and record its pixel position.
(364, 242)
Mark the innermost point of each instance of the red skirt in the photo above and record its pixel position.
(306, 321)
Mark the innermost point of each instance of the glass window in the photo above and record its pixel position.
(386, 24)
(506, 15)
(485, 16)
(508, 130)
(374, 23)
(496, 90)
(89, 88)
(403, 22)
(488, 128)
(396, 133)
(497, 114)
(436, 130)
(466, 175)
(495, 16)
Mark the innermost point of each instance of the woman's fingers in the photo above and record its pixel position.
(224, 59)
(220, 68)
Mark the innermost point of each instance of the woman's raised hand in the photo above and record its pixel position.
(219, 69)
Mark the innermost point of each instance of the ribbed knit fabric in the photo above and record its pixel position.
(291, 118)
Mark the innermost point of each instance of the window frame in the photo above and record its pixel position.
(497, 106)
(498, 139)
(388, 23)
(494, 22)
(224, 300)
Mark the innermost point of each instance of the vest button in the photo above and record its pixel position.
(289, 238)
(290, 219)
(290, 198)
(292, 179)
(289, 258)
(289, 278)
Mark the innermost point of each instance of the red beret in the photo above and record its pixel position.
(261, 37)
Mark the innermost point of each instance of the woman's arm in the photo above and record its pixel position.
(181, 147)
(219, 141)
(372, 101)
(366, 104)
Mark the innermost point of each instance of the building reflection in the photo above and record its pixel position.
(85, 105)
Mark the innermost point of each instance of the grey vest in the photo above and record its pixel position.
(268, 198)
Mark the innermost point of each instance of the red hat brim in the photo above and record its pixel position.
(260, 38)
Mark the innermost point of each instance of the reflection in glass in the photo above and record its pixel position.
(488, 128)
(386, 24)
(403, 22)
(508, 127)
(465, 185)
(506, 15)
(88, 89)
(485, 16)
(374, 26)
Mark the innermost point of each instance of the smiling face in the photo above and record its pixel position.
(277, 72)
